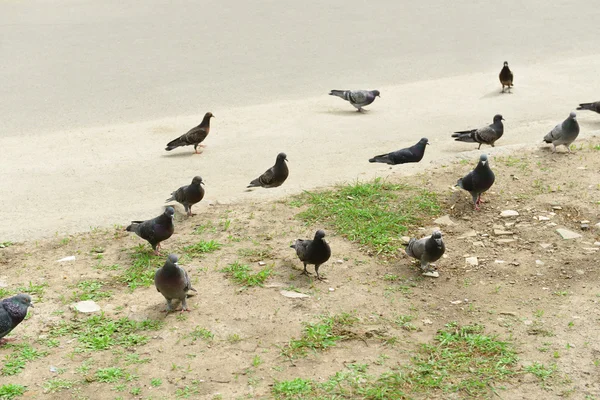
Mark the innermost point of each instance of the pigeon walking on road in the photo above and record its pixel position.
(595, 106)
(274, 176)
(155, 230)
(194, 136)
(173, 282)
(564, 133)
(315, 252)
(411, 154)
(486, 135)
(12, 311)
(358, 98)
(189, 195)
(506, 77)
(427, 250)
(478, 181)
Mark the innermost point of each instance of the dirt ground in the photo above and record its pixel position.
(529, 286)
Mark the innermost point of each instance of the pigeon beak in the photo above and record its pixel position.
(31, 305)
(202, 182)
(503, 119)
(483, 162)
(428, 143)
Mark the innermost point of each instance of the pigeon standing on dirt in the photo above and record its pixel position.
(173, 282)
(486, 135)
(595, 106)
(427, 250)
(411, 154)
(189, 195)
(155, 230)
(564, 133)
(194, 136)
(274, 176)
(315, 252)
(506, 77)
(358, 98)
(478, 181)
(12, 311)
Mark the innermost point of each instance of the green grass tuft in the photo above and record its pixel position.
(242, 274)
(90, 290)
(100, 333)
(374, 214)
(143, 267)
(10, 391)
(202, 247)
(15, 362)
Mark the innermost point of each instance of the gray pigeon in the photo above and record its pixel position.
(506, 77)
(155, 230)
(590, 106)
(427, 250)
(12, 311)
(478, 181)
(358, 98)
(194, 136)
(173, 283)
(564, 133)
(315, 252)
(274, 176)
(486, 135)
(189, 195)
(411, 154)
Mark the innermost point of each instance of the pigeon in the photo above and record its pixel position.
(189, 195)
(564, 133)
(427, 250)
(173, 283)
(486, 135)
(478, 181)
(154, 230)
(194, 136)
(274, 176)
(12, 311)
(315, 252)
(411, 154)
(358, 98)
(506, 77)
(590, 106)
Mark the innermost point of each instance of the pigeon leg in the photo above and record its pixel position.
(184, 306)
(553, 148)
(169, 306)
(424, 266)
(6, 340)
(479, 146)
(317, 271)
(157, 250)
(305, 272)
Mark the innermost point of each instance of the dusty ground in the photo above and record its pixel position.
(547, 308)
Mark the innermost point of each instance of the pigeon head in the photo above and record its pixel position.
(23, 300)
(209, 115)
(498, 117)
(375, 93)
(197, 181)
(437, 236)
(320, 234)
(169, 212)
(281, 157)
(483, 159)
(506, 63)
(173, 258)
(424, 141)
(572, 115)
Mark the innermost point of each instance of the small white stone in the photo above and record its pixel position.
(340, 261)
(331, 289)
(567, 234)
(69, 258)
(585, 221)
(87, 306)
(456, 302)
(431, 274)
(472, 261)
(545, 245)
(556, 207)
(596, 243)
(509, 213)
(262, 263)
(427, 321)
(542, 218)
(499, 261)
(405, 239)
(293, 295)
(539, 262)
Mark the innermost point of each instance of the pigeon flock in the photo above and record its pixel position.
(173, 282)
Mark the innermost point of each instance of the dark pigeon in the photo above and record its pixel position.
(358, 98)
(189, 195)
(564, 133)
(194, 136)
(590, 106)
(173, 282)
(274, 176)
(478, 181)
(155, 230)
(315, 252)
(427, 250)
(411, 154)
(486, 135)
(12, 311)
(506, 77)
